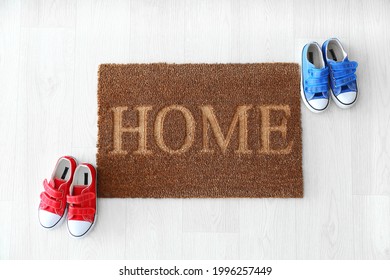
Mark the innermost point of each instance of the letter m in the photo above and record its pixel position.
(240, 119)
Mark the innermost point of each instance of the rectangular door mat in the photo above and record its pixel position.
(199, 130)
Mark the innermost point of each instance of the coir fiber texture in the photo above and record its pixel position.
(199, 130)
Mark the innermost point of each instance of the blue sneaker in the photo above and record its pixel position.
(314, 81)
(342, 78)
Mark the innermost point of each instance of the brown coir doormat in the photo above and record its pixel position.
(199, 130)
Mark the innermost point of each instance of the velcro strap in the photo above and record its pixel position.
(312, 82)
(51, 191)
(78, 199)
(50, 201)
(344, 65)
(318, 73)
(344, 81)
(316, 81)
(341, 74)
(316, 89)
(81, 211)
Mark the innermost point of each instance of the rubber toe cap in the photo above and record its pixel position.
(347, 98)
(78, 228)
(48, 219)
(319, 104)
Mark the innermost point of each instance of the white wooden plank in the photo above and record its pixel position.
(322, 18)
(217, 246)
(157, 31)
(48, 13)
(370, 119)
(324, 227)
(153, 229)
(211, 215)
(267, 228)
(264, 27)
(9, 73)
(372, 227)
(44, 132)
(5, 229)
(209, 32)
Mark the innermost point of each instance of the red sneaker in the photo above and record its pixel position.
(52, 209)
(82, 201)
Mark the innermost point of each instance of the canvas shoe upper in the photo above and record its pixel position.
(82, 201)
(52, 207)
(342, 76)
(314, 80)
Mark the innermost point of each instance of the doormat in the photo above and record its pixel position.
(199, 130)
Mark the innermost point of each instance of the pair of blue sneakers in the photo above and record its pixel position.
(325, 71)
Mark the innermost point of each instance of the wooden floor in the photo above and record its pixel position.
(49, 56)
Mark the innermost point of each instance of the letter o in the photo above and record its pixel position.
(159, 128)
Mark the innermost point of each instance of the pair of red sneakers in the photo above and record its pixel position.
(72, 189)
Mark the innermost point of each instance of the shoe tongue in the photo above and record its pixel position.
(56, 183)
(78, 189)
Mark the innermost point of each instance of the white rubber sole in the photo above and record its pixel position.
(341, 105)
(307, 103)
